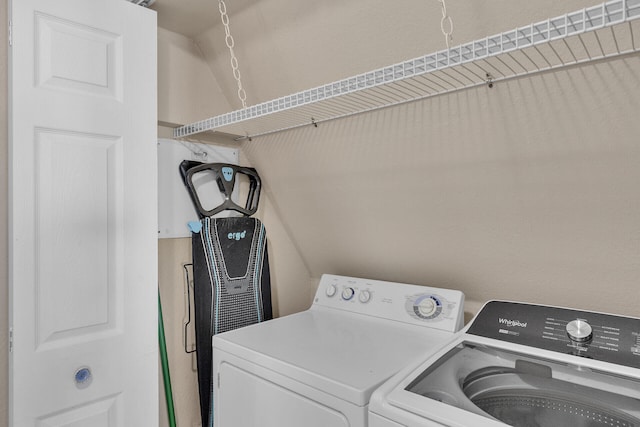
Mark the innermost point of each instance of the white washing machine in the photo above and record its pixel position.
(319, 367)
(522, 365)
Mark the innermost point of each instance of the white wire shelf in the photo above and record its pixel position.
(601, 32)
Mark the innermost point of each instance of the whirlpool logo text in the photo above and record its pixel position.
(512, 322)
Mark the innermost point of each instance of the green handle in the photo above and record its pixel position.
(168, 394)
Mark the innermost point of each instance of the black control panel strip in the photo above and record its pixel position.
(603, 337)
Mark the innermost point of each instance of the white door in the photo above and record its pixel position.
(83, 234)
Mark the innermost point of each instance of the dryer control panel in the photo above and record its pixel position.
(419, 305)
(599, 336)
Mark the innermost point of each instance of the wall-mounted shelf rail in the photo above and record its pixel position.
(604, 31)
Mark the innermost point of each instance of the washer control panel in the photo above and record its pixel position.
(419, 305)
(599, 336)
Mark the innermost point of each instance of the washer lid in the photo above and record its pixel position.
(526, 390)
(343, 354)
(525, 399)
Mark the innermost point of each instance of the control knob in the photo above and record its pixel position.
(579, 330)
(427, 307)
(348, 293)
(364, 296)
(331, 290)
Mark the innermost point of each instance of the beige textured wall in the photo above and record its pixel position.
(526, 191)
(4, 309)
(186, 87)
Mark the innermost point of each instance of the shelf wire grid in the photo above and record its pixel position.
(601, 32)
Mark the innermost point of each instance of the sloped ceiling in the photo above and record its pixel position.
(187, 17)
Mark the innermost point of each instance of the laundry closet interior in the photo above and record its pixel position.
(512, 176)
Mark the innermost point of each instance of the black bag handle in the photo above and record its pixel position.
(225, 177)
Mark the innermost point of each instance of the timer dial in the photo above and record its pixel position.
(579, 330)
(427, 307)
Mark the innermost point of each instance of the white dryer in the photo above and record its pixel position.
(521, 365)
(318, 368)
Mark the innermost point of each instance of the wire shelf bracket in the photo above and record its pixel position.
(601, 32)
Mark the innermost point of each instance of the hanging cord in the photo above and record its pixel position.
(230, 44)
(446, 19)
